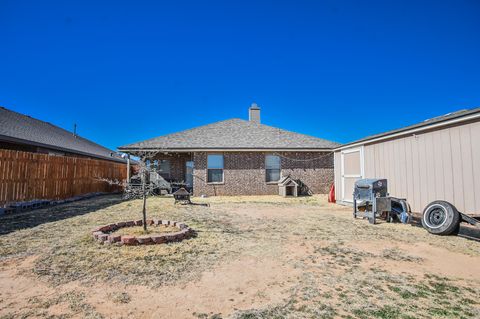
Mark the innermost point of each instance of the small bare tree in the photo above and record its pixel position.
(135, 192)
(145, 168)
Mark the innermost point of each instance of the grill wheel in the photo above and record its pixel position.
(441, 218)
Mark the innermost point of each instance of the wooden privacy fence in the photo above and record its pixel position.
(25, 176)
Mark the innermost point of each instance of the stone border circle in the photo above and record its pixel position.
(103, 234)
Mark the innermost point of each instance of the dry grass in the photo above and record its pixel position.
(347, 268)
(66, 251)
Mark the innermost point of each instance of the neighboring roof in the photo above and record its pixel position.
(440, 121)
(22, 129)
(233, 134)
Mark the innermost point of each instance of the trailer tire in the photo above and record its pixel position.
(440, 218)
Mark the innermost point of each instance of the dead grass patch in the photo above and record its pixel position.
(320, 262)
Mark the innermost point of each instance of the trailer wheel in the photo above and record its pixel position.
(440, 218)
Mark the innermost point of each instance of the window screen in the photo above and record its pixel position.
(272, 168)
(215, 168)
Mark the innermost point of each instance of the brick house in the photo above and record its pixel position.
(239, 157)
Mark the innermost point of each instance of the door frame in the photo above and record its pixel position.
(342, 168)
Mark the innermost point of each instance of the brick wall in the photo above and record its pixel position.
(244, 173)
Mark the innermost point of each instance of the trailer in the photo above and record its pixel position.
(442, 218)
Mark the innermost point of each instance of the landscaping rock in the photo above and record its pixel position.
(159, 239)
(102, 237)
(129, 240)
(105, 228)
(177, 236)
(114, 238)
(96, 234)
(144, 240)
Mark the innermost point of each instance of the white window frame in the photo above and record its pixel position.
(360, 149)
(223, 169)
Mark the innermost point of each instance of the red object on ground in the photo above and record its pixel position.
(331, 194)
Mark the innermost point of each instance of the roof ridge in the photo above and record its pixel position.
(281, 129)
(233, 133)
(57, 127)
(178, 132)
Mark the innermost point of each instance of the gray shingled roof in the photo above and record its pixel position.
(233, 134)
(23, 129)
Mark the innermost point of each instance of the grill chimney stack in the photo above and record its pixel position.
(254, 113)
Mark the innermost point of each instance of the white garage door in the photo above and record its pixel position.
(351, 170)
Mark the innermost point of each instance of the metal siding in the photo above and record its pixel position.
(467, 169)
(415, 156)
(422, 152)
(446, 154)
(400, 167)
(369, 162)
(409, 167)
(429, 164)
(442, 164)
(375, 170)
(438, 165)
(475, 144)
(457, 180)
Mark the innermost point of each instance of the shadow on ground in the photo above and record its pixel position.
(466, 230)
(11, 223)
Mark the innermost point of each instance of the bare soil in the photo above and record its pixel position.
(253, 257)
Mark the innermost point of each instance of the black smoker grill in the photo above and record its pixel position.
(373, 195)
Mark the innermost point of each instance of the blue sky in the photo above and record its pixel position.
(130, 70)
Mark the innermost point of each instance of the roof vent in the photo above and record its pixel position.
(254, 113)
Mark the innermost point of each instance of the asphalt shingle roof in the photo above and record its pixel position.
(233, 134)
(23, 129)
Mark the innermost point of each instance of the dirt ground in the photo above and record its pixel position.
(253, 257)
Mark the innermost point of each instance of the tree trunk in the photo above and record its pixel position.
(144, 210)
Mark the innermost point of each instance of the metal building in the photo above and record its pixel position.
(438, 159)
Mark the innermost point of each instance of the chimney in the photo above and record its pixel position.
(254, 113)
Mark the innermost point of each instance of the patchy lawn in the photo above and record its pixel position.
(253, 257)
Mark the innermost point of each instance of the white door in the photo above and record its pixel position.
(351, 170)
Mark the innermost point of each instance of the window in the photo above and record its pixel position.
(215, 168)
(272, 168)
(162, 167)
